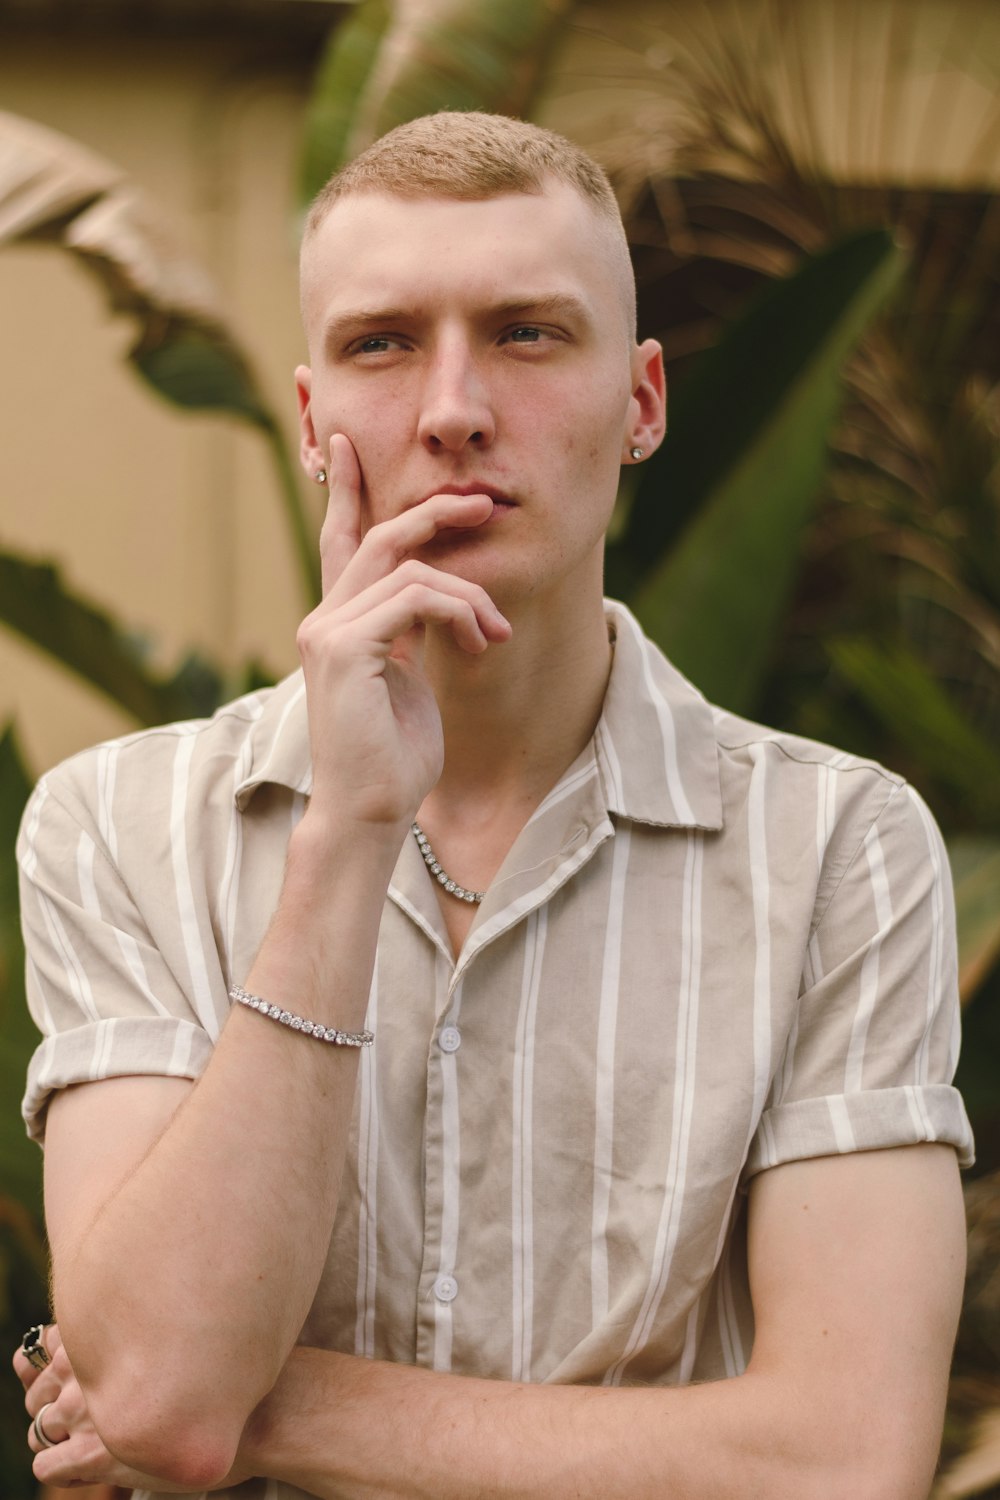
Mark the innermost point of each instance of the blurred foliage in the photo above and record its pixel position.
(829, 489)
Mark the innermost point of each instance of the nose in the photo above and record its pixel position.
(456, 409)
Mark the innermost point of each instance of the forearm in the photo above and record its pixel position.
(207, 1256)
(346, 1429)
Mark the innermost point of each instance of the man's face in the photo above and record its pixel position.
(479, 346)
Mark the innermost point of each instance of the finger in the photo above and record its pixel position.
(27, 1372)
(493, 624)
(386, 545)
(340, 536)
(81, 1460)
(45, 1389)
(414, 605)
(51, 1382)
(52, 1424)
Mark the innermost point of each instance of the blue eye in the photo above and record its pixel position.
(375, 345)
(525, 335)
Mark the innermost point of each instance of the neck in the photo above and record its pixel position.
(517, 716)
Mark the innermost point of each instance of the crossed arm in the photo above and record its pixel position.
(856, 1272)
(185, 1259)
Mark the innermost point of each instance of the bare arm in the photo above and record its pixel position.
(197, 1218)
(856, 1265)
(857, 1269)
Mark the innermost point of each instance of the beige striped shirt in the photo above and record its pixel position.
(713, 949)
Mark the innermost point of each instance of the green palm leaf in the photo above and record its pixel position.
(743, 461)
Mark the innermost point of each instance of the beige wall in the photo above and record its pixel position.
(172, 519)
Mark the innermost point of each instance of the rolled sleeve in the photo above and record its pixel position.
(106, 999)
(874, 1047)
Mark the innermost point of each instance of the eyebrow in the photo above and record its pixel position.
(555, 304)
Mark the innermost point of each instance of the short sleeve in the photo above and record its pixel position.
(105, 997)
(873, 1050)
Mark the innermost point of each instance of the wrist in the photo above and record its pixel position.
(322, 844)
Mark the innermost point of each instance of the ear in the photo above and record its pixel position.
(310, 452)
(647, 410)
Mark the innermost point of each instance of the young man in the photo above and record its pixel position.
(660, 1091)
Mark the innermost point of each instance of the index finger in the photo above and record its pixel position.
(340, 536)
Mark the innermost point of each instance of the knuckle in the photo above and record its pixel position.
(306, 635)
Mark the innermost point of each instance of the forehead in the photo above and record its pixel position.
(377, 249)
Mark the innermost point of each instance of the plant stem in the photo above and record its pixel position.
(305, 544)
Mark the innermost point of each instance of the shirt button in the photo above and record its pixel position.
(446, 1289)
(450, 1039)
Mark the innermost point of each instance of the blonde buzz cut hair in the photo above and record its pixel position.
(476, 156)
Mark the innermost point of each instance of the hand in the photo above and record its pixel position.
(374, 725)
(77, 1455)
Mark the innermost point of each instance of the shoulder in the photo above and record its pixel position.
(132, 779)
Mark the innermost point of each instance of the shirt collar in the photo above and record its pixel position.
(655, 742)
(279, 743)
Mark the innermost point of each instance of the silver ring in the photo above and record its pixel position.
(40, 1432)
(33, 1347)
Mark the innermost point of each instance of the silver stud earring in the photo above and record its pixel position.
(635, 453)
(320, 476)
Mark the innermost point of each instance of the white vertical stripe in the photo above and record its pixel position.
(770, 1144)
(522, 1125)
(868, 986)
(76, 975)
(604, 1100)
(733, 1352)
(104, 1045)
(36, 987)
(180, 1057)
(38, 801)
(935, 963)
(689, 1353)
(760, 885)
(107, 772)
(451, 1160)
(368, 1135)
(229, 884)
(919, 1114)
(760, 896)
(668, 1227)
(614, 765)
(85, 875)
(671, 765)
(562, 790)
(826, 813)
(127, 945)
(201, 989)
(843, 1130)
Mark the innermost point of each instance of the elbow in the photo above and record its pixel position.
(178, 1447)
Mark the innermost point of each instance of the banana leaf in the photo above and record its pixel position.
(344, 71)
(35, 601)
(975, 866)
(742, 463)
(386, 65)
(901, 693)
(54, 191)
(20, 1161)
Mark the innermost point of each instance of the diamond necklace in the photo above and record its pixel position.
(440, 874)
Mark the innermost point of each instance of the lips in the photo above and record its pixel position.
(496, 495)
